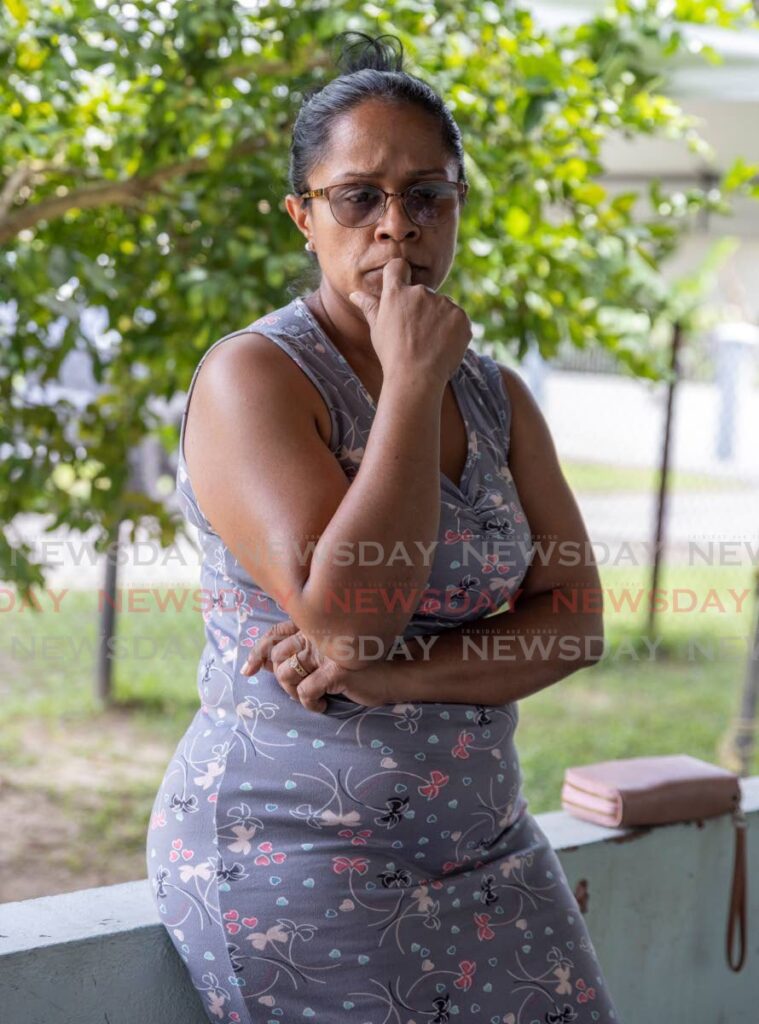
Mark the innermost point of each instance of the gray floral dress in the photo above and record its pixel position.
(367, 865)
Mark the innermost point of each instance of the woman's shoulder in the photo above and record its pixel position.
(250, 360)
(270, 345)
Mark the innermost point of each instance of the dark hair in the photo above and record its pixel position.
(370, 69)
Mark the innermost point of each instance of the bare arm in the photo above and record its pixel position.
(269, 485)
(547, 635)
(394, 501)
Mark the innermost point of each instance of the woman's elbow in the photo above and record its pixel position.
(595, 640)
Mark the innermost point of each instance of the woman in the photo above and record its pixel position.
(364, 489)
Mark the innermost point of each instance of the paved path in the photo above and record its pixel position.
(620, 421)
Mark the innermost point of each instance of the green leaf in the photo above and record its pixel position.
(517, 222)
(18, 10)
(738, 174)
(533, 114)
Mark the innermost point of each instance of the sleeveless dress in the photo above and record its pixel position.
(367, 865)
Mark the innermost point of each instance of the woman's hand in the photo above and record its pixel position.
(274, 649)
(413, 329)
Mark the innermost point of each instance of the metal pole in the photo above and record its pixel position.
(108, 622)
(745, 727)
(664, 471)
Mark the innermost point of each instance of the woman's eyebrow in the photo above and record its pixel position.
(378, 173)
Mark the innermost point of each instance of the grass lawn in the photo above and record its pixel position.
(595, 477)
(78, 782)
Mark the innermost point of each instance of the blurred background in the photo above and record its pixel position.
(609, 252)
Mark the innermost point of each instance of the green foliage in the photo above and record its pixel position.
(143, 158)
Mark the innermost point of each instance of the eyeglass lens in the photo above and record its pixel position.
(427, 203)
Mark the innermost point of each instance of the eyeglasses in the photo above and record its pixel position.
(427, 203)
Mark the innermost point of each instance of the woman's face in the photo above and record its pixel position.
(393, 141)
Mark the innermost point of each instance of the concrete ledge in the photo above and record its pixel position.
(657, 903)
(96, 956)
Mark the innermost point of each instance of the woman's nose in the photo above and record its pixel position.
(395, 221)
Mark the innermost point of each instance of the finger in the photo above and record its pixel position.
(283, 676)
(396, 271)
(368, 305)
(308, 654)
(312, 690)
(257, 656)
(284, 649)
(289, 678)
(261, 650)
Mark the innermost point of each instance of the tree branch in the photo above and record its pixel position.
(13, 183)
(105, 193)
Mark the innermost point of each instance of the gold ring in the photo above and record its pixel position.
(295, 664)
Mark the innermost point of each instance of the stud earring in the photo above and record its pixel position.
(309, 246)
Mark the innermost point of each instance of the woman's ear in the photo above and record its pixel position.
(299, 213)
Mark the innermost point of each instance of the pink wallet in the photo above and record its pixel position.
(657, 790)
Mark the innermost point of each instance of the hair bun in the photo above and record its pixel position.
(369, 52)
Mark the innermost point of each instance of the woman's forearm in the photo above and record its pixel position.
(394, 502)
(498, 659)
